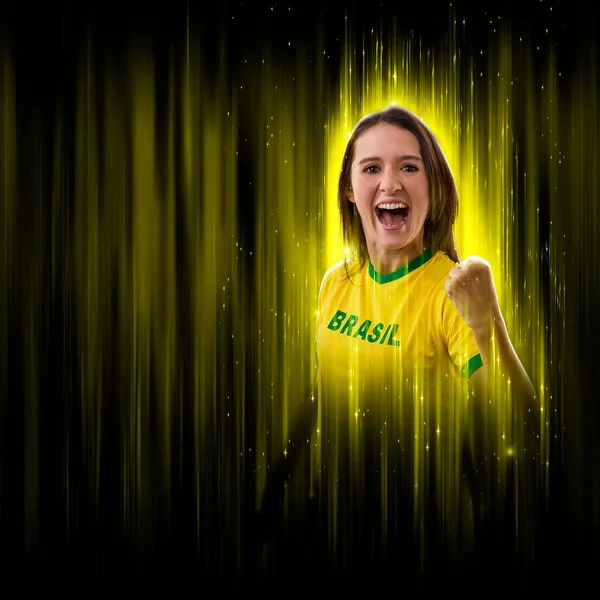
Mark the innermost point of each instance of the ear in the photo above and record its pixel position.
(351, 195)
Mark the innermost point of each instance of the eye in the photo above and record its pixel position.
(372, 169)
(409, 168)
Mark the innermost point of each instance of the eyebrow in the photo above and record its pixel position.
(377, 158)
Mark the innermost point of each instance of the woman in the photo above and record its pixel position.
(412, 348)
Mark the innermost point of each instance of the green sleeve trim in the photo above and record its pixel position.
(471, 366)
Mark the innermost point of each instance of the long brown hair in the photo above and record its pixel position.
(443, 196)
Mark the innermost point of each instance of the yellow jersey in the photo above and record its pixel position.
(375, 331)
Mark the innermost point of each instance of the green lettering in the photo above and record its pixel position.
(336, 320)
(391, 340)
(373, 337)
(349, 324)
(385, 333)
(362, 330)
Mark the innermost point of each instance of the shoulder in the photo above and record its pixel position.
(438, 268)
(442, 261)
(337, 274)
(339, 271)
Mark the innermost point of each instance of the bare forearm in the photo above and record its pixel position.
(499, 357)
(506, 420)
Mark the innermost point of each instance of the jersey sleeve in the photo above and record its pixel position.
(460, 340)
(327, 286)
(319, 311)
(322, 292)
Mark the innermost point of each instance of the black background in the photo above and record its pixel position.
(45, 42)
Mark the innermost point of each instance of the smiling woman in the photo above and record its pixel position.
(390, 191)
(412, 350)
(394, 148)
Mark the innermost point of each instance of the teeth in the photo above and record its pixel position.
(392, 205)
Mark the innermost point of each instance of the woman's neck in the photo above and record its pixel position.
(386, 261)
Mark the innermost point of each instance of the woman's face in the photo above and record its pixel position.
(390, 189)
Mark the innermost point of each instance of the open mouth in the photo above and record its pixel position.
(392, 214)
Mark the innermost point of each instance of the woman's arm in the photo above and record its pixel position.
(471, 288)
(500, 358)
(298, 437)
(505, 412)
(502, 384)
(502, 378)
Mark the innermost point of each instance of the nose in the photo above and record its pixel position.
(390, 181)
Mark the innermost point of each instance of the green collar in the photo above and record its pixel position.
(402, 271)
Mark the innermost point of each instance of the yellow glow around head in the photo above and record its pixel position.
(378, 92)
